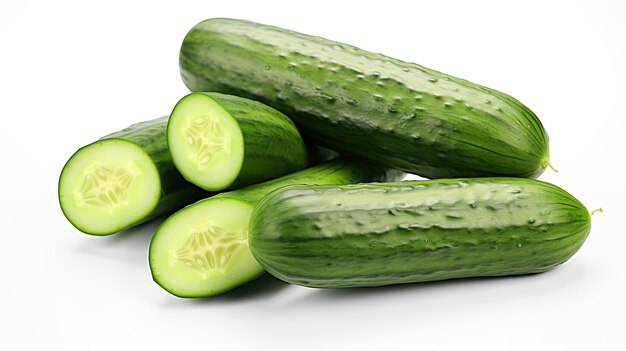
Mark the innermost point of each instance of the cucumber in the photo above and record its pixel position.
(122, 180)
(220, 141)
(202, 250)
(368, 105)
(333, 236)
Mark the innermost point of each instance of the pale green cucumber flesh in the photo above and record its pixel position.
(202, 250)
(220, 141)
(415, 231)
(205, 142)
(108, 185)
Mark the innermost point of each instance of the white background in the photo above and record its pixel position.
(71, 72)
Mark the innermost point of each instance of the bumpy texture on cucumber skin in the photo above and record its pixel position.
(415, 231)
(176, 192)
(377, 108)
(272, 144)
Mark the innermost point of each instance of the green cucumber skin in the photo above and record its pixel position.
(285, 152)
(415, 231)
(368, 105)
(337, 171)
(176, 192)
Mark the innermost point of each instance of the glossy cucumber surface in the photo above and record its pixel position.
(415, 231)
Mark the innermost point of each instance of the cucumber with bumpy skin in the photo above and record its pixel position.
(202, 250)
(123, 179)
(378, 234)
(220, 141)
(368, 105)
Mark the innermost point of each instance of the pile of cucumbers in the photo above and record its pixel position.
(288, 155)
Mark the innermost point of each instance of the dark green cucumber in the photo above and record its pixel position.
(415, 231)
(220, 141)
(368, 105)
(202, 250)
(123, 179)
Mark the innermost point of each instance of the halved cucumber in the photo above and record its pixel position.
(122, 180)
(221, 141)
(202, 250)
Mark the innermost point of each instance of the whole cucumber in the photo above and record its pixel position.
(368, 105)
(388, 233)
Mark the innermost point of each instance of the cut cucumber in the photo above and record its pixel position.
(105, 185)
(122, 180)
(219, 141)
(202, 250)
